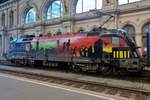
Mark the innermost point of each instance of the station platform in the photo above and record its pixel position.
(119, 83)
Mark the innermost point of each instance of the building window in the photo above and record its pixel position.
(86, 5)
(130, 30)
(146, 29)
(55, 10)
(11, 17)
(30, 16)
(121, 2)
(81, 29)
(3, 19)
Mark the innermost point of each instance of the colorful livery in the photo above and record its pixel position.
(102, 51)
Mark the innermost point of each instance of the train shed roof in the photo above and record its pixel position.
(2, 1)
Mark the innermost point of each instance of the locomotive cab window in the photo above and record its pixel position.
(115, 40)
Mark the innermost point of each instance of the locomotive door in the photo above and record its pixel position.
(98, 49)
(95, 51)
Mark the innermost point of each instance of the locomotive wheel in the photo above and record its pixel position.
(76, 68)
(105, 70)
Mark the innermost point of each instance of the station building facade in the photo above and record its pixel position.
(27, 17)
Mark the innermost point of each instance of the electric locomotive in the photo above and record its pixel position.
(103, 51)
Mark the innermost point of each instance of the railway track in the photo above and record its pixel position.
(136, 77)
(131, 94)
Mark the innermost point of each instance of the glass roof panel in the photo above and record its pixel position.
(2, 1)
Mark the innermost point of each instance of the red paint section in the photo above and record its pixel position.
(123, 42)
(106, 41)
(84, 42)
(57, 37)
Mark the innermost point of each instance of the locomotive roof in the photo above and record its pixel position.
(101, 33)
(22, 39)
(91, 33)
(110, 35)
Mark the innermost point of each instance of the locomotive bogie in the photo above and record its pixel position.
(86, 66)
(50, 64)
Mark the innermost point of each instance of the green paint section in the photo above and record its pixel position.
(48, 45)
(44, 45)
(33, 44)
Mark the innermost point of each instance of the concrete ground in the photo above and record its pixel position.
(15, 88)
(100, 80)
